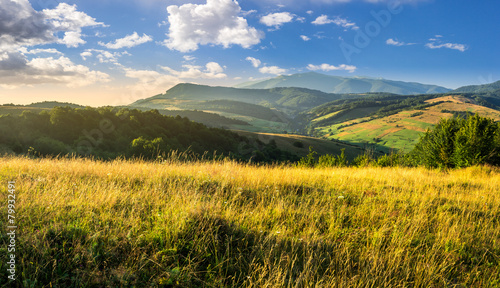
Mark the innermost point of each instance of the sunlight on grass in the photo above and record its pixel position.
(223, 224)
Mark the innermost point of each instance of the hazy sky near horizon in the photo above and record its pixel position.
(111, 52)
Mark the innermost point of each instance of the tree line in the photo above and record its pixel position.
(110, 132)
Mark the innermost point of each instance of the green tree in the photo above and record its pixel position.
(476, 142)
(459, 142)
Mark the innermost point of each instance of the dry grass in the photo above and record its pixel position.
(87, 223)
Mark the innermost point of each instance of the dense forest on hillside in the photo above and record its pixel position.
(109, 133)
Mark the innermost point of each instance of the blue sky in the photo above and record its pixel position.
(111, 52)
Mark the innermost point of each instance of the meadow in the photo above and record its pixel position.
(132, 223)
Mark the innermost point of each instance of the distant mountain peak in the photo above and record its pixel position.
(338, 84)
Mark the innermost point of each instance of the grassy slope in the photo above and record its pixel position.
(221, 224)
(402, 130)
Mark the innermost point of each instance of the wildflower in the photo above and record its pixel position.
(340, 197)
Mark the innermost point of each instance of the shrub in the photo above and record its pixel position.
(459, 142)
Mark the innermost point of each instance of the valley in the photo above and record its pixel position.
(374, 117)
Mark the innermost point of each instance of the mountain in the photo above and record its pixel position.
(193, 96)
(479, 88)
(342, 85)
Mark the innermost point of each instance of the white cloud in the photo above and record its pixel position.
(328, 67)
(188, 58)
(25, 51)
(459, 47)
(21, 25)
(128, 41)
(305, 38)
(149, 82)
(16, 70)
(310, 12)
(103, 56)
(272, 70)
(66, 18)
(323, 20)
(276, 19)
(216, 22)
(393, 42)
(246, 13)
(255, 62)
(212, 71)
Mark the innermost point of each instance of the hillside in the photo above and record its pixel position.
(109, 133)
(491, 87)
(393, 125)
(266, 110)
(187, 95)
(299, 145)
(343, 85)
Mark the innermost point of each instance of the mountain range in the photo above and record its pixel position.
(343, 85)
(385, 113)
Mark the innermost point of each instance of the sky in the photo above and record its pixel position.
(114, 52)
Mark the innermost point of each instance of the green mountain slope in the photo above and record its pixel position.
(186, 95)
(479, 88)
(337, 84)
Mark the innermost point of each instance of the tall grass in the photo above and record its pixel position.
(85, 223)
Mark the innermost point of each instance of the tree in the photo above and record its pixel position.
(476, 142)
(459, 142)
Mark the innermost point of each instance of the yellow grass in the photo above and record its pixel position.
(224, 224)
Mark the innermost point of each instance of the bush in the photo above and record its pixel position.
(48, 146)
(459, 142)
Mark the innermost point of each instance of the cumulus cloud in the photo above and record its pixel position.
(21, 25)
(323, 20)
(66, 18)
(276, 19)
(216, 22)
(255, 62)
(149, 81)
(454, 46)
(212, 71)
(16, 70)
(272, 70)
(328, 67)
(128, 41)
(305, 38)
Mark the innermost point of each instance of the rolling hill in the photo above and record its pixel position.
(342, 85)
(397, 127)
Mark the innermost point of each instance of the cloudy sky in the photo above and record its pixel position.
(111, 52)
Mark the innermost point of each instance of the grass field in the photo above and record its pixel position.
(84, 223)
